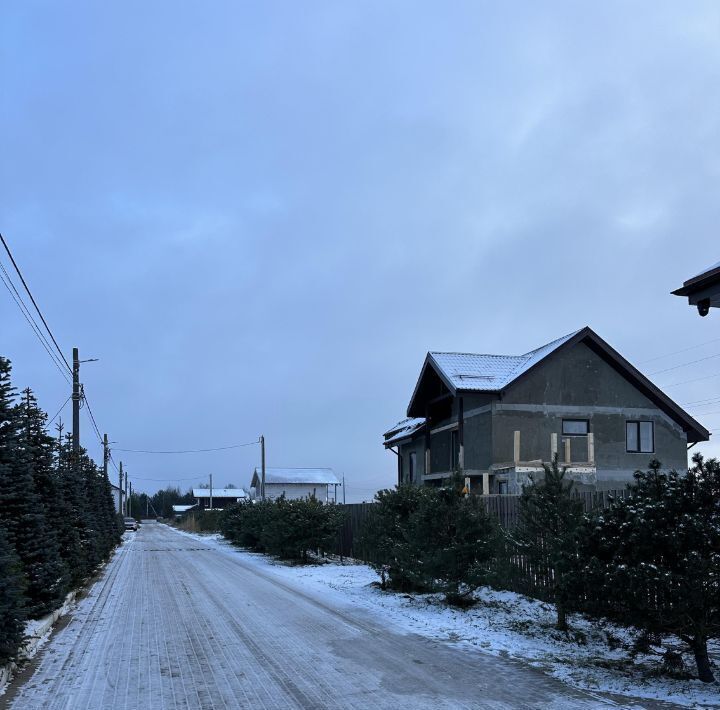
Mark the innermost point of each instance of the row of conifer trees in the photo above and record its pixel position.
(650, 560)
(57, 515)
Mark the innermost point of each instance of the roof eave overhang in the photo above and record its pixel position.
(429, 362)
(699, 283)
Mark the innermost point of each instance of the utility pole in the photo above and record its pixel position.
(106, 455)
(211, 491)
(262, 463)
(126, 495)
(122, 506)
(343, 485)
(76, 401)
(130, 501)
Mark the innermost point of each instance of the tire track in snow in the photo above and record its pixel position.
(174, 624)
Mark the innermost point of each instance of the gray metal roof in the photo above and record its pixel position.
(219, 493)
(298, 475)
(490, 373)
(403, 429)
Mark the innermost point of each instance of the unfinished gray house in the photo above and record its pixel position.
(497, 418)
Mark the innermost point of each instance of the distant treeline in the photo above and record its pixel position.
(158, 505)
(57, 515)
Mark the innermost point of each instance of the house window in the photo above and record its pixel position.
(412, 463)
(575, 427)
(454, 450)
(640, 437)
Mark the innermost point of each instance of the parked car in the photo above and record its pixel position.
(131, 524)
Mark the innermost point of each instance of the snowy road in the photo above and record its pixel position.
(179, 623)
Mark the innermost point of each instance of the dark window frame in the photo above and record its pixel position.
(587, 427)
(637, 423)
(412, 465)
(454, 449)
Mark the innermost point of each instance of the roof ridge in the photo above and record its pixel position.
(530, 353)
(455, 352)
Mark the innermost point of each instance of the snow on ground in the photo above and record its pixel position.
(594, 656)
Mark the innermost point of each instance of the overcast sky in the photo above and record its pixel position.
(260, 216)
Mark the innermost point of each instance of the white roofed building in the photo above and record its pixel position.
(218, 498)
(294, 483)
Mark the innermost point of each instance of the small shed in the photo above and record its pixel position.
(294, 483)
(218, 498)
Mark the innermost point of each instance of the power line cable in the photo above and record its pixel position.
(84, 398)
(685, 364)
(702, 402)
(169, 480)
(60, 410)
(31, 322)
(677, 352)
(687, 382)
(190, 451)
(42, 318)
(28, 316)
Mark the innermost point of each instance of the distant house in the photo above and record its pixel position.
(703, 290)
(293, 483)
(497, 418)
(180, 510)
(221, 497)
(117, 497)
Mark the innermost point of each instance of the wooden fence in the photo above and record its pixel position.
(516, 572)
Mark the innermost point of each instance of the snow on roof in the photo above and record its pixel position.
(182, 508)
(298, 475)
(488, 373)
(406, 427)
(219, 493)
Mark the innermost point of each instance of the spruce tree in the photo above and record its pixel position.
(549, 518)
(38, 456)
(653, 560)
(72, 532)
(456, 542)
(21, 511)
(12, 604)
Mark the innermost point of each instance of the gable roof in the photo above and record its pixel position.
(319, 476)
(465, 372)
(490, 373)
(219, 493)
(403, 429)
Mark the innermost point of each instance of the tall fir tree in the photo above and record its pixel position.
(653, 559)
(21, 511)
(37, 448)
(549, 518)
(12, 603)
(72, 532)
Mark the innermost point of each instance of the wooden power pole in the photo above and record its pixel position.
(211, 491)
(262, 465)
(106, 455)
(122, 507)
(76, 400)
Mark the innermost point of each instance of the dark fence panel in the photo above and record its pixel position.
(514, 570)
(349, 540)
